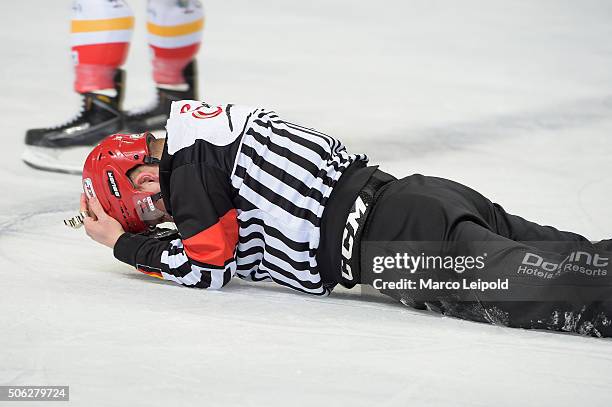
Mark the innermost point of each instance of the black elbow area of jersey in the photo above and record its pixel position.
(127, 247)
(163, 234)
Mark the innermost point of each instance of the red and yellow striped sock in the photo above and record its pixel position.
(175, 32)
(100, 37)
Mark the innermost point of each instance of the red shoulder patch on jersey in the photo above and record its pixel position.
(216, 244)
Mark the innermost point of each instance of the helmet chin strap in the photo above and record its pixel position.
(76, 221)
(151, 160)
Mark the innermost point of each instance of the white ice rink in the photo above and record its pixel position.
(513, 98)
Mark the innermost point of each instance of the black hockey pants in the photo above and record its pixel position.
(558, 280)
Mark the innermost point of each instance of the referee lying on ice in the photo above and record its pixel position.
(264, 199)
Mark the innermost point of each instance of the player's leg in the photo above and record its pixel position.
(100, 36)
(513, 227)
(175, 32)
(549, 288)
(554, 285)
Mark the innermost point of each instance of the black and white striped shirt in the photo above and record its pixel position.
(247, 191)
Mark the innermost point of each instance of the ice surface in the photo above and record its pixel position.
(513, 98)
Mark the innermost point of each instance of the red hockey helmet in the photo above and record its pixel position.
(105, 177)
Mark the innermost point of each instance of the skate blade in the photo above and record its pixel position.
(63, 160)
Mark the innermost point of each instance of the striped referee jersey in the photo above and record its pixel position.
(247, 191)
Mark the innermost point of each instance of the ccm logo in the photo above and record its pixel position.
(349, 235)
(88, 188)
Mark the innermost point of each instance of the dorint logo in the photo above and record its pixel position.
(112, 184)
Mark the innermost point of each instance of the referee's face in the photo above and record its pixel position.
(146, 179)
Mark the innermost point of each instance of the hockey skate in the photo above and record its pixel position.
(63, 148)
(154, 117)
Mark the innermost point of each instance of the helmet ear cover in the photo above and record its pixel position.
(105, 176)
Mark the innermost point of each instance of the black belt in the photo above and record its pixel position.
(353, 229)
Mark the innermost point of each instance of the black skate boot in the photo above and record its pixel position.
(63, 148)
(154, 117)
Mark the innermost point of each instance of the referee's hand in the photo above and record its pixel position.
(100, 227)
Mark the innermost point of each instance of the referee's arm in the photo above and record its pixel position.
(206, 220)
